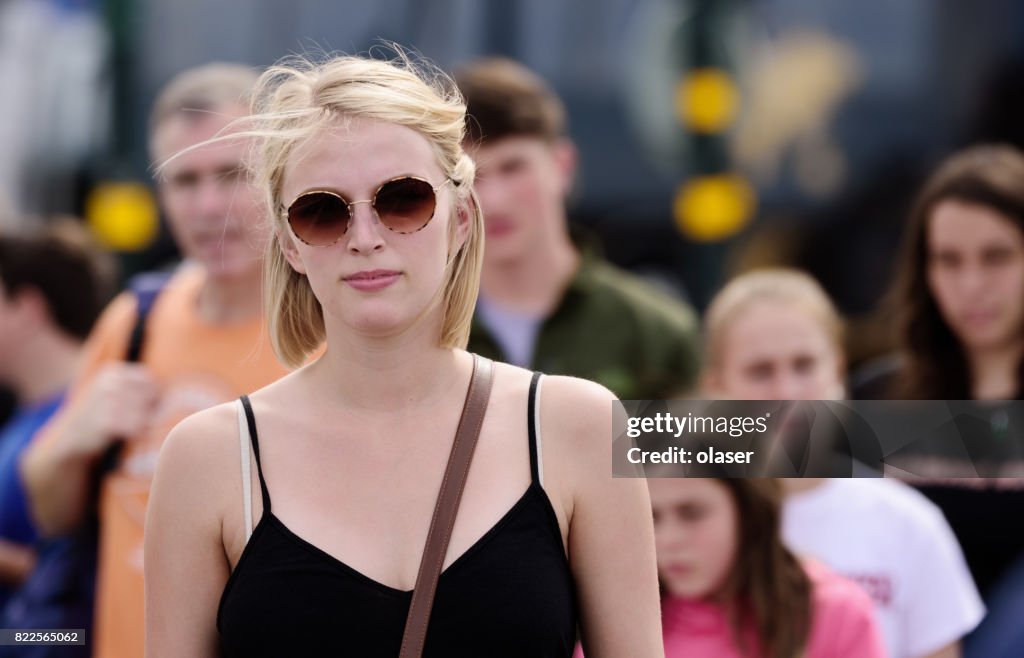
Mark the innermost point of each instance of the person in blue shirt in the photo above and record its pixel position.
(53, 283)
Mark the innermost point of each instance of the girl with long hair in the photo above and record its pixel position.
(731, 588)
(960, 281)
(959, 295)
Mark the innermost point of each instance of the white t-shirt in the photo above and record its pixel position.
(897, 545)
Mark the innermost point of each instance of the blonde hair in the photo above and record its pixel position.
(202, 89)
(294, 100)
(771, 284)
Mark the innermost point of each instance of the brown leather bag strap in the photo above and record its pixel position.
(447, 507)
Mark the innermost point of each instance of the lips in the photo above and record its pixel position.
(978, 318)
(370, 280)
(678, 569)
(370, 275)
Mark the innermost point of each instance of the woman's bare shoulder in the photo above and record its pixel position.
(577, 391)
(558, 390)
(200, 449)
(578, 411)
(512, 375)
(204, 427)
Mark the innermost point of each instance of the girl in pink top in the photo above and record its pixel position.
(732, 589)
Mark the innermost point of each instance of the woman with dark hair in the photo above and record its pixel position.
(960, 282)
(960, 295)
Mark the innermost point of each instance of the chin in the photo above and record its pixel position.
(987, 340)
(685, 588)
(232, 269)
(688, 593)
(229, 259)
(377, 322)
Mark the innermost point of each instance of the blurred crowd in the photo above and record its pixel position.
(930, 567)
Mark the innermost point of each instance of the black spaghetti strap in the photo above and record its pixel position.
(531, 410)
(250, 418)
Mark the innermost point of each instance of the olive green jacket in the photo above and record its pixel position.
(615, 329)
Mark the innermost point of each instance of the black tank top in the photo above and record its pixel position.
(510, 594)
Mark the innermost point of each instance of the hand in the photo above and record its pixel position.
(118, 404)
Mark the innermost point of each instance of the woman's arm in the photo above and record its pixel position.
(611, 532)
(185, 564)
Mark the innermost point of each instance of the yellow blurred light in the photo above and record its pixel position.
(707, 100)
(712, 208)
(122, 215)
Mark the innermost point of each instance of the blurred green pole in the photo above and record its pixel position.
(711, 202)
(709, 150)
(119, 14)
(121, 208)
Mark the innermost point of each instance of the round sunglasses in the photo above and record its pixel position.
(404, 205)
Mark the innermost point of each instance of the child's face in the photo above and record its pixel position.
(777, 351)
(696, 529)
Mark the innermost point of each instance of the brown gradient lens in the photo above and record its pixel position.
(403, 205)
(319, 218)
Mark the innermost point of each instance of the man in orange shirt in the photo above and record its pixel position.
(204, 344)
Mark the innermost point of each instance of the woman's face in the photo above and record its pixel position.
(696, 530)
(773, 350)
(372, 280)
(975, 272)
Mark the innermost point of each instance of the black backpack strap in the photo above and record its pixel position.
(146, 287)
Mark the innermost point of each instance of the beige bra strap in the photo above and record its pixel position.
(536, 430)
(243, 442)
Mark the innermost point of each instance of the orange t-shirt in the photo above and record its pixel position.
(197, 365)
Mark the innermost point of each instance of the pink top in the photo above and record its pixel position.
(842, 624)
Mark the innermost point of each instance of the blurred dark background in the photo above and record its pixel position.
(823, 118)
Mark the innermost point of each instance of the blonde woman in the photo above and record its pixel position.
(376, 253)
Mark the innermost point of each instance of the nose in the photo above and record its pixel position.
(491, 194)
(973, 280)
(787, 386)
(365, 232)
(213, 200)
(671, 535)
